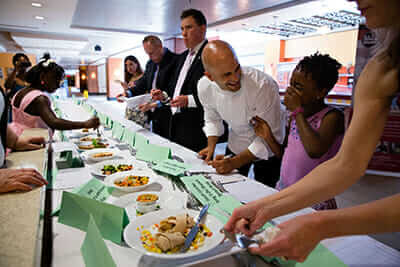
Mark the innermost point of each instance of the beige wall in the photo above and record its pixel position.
(271, 56)
(114, 71)
(6, 62)
(93, 84)
(340, 45)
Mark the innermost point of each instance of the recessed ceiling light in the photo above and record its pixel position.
(36, 4)
(39, 17)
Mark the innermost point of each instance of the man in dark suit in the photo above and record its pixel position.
(158, 74)
(187, 111)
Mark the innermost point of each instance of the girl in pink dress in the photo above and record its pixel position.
(31, 106)
(315, 131)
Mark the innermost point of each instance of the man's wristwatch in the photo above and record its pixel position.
(296, 111)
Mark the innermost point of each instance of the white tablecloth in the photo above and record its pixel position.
(355, 251)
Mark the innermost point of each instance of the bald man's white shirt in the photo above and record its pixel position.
(258, 96)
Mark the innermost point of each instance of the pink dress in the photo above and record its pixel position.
(296, 163)
(23, 120)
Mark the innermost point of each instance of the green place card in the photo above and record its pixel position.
(94, 250)
(202, 189)
(129, 137)
(109, 122)
(118, 130)
(320, 256)
(95, 189)
(140, 141)
(75, 211)
(153, 153)
(171, 167)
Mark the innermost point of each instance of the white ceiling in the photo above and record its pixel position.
(71, 28)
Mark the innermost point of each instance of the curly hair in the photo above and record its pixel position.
(17, 56)
(44, 66)
(323, 69)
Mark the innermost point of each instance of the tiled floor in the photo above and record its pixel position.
(368, 188)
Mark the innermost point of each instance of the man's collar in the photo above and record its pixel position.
(197, 47)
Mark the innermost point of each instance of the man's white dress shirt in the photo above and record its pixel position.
(182, 76)
(258, 95)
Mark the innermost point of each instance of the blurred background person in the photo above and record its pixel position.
(132, 72)
(16, 80)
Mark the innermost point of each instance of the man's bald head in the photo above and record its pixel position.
(221, 65)
(215, 52)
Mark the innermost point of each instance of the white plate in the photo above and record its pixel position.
(132, 235)
(79, 133)
(89, 143)
(78, 140)
(137, 165)
(89, 154)
(109, 180)
(170, 201)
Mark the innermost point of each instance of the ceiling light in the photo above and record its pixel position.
(39, 17)
(36, 4)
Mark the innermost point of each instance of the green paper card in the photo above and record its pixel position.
(109, 122)
(140, 141)
(320, 256)
(101, 118)
(202, 189)
(171, 167)
(118, 130)
(75, 211)
(95, 189)
(129, 137)
(94, 250)
(153, 153)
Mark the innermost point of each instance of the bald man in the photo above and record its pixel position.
(236, 94)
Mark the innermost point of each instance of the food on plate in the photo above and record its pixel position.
(132, 180)
(147, 198)
(110, 169)
(102, 154)
(90, 139)
(146, 203)
(91, 146)
(85, 130)
(267, 235)
(170, 234)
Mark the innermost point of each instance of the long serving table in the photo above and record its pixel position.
(354, 250)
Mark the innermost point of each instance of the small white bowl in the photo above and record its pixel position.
(147, 206)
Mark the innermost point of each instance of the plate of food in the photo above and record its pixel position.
(88, 145)
(162, 233)
(130, 181)
(109, 167)
(81, 133)
(99, 154)
(91, 138)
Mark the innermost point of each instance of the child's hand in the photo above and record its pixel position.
(292, 99)
(261, 128)
(92, 123)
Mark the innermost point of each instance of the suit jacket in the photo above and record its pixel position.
(161, 117)
(186, 125)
